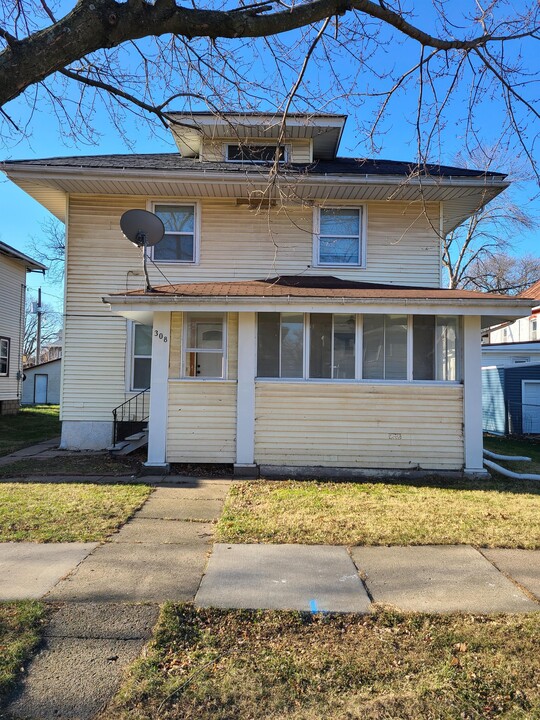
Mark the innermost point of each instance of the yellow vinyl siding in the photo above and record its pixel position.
(236, 243)
(363, 425)
(12, 285)
(201, 424)
(99, 261)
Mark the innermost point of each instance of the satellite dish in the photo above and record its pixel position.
(143, 229)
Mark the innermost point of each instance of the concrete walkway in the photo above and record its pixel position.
(47, 448)
(106, 604)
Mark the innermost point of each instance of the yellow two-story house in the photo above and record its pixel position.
(295, 318)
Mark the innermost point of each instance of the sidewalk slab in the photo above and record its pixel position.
(164, 505)
(29, 570)
(438, 579)
(72, 679)
(521, 565)
(288, 577)
(144, 530)
(103, 621)
(136, 572)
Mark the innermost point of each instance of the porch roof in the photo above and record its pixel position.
(305, 293)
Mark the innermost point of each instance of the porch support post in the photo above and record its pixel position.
(472, 396)
(157, 423)
(245, 398)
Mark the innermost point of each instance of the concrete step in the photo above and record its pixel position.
(132, 443)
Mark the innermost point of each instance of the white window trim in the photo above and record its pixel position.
(7, 340)
(286, 152)
(195, 204)
(185, 349)
(362, 240)
(130, 358)
(359, 356)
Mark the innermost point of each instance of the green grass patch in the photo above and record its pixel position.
(529, 447)
(31, 425)
(219, 665)
(487, 513)
(80, 464)
(20, 632)
(70, 512)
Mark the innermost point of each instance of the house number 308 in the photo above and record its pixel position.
(161, 336)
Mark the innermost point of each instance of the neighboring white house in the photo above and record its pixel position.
(41, 385)
(518, 342)
(13, 268)
(296, 319)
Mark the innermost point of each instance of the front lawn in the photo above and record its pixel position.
(70, 512)
(30, 426)
(219, 665)
(486, 513)
(79, 464)
(20, 632)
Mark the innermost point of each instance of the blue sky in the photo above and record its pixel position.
(22, 216)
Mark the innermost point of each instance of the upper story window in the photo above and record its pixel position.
(339, 236)
(180, 241)
(4, 356)
(534, 329)
(255, 153)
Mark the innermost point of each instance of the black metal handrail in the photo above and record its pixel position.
(131, 416)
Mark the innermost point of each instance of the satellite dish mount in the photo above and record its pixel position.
(143, 229)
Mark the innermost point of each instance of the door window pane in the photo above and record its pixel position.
(205, 342)
(141, 373)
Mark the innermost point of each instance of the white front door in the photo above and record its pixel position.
(40, 389)
(530, 400)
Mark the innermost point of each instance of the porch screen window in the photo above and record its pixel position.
(435, 347)
(332, 346)
(385, 347)
(204, 346)
(4, 356)
(280, 345)
(142, 357)
(178, 243)
(339, 236)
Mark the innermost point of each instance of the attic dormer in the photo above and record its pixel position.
(253, 137)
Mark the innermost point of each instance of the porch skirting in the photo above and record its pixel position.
(394, 426)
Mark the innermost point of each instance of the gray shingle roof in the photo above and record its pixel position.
(174, 162)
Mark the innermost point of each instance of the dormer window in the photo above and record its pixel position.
(255, 153)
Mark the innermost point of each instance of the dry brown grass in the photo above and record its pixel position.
(225, 665)
(486, 513)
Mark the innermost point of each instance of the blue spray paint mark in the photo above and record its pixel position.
(313, 606)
